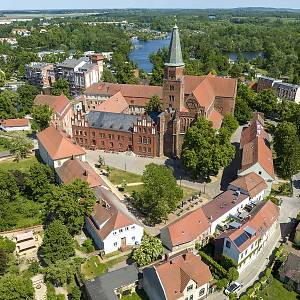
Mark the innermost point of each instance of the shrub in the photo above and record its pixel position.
(288, 287)
(88, 244)
(216, 268)
(221, 284)
(227, 262)
(250, 292)
(257, 286)
(263, 280)
(232, 296)
(7, 245)
(244, 297)
(268, 272)
(232, 274)
(34, 267)
(285, 189)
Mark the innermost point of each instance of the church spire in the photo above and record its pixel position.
(175, 55)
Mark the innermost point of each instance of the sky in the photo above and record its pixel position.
(100, 4)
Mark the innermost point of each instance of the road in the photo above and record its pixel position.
(288, 211)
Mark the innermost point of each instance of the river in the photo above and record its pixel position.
(141, 51)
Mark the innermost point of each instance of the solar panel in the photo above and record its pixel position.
(240, 240)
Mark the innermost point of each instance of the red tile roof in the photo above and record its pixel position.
(14, 122)
(57, 144)
(252, 183)
(221, 204)
(115, 104)
(261, 220)
(75, 168)
(106, 212)
(257, 151)
(59, 104)
(176, 273)
(188, 228)
(216, 119)
(251, 132)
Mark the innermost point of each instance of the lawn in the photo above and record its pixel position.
(130, 189)
(117, 176)
(188, 192)
(275, 291)
(93, 268)
(139, 295)
(22, 165)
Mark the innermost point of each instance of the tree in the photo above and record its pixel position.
(20, 147)
(150, 249)
(3, 262)
(27, 94)
(204, 151)
(154, 105)
(158, 180)
(75, 293)
(7, 245)
(108, 76)
(8, 104)
(235, 71)
(233, 274)
(8, 187)
(41, 117)
(222, 283)
(57, 244)
(70, 202)
(230, 123)
(242, 111)
(39, 181)
(266, 102)
(61, 86)
(16, 287)
(287, 148)
(100, 161)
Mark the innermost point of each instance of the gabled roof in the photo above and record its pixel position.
(257, 151)
(75, 168)
(188, 228)
(176, 273)
(216, 118)
(106, 215)
(260, 221)
(59, 104)
(14, 122)
(115, 104)
(252, 183)
(57, 144)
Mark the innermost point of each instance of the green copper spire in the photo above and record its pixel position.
(175, 55)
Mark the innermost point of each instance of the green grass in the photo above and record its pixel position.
(112, 254)
(139, 295)
(117, 176)
(130, 189)
(188, 192)
(22, 165)
(276, 291)
(93, 268)
(115, 261)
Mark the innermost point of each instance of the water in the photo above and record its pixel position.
(248, 56)
(142, 50)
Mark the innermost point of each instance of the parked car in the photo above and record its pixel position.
(233, 287)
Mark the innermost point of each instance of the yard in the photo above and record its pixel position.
(117, 176)
(139, 295)
(23, 165)
(275, 291)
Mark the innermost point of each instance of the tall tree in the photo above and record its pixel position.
(27, 94)
(61, 86)
(69, 203)
(150, 249)
(108, 76)
(158, 180)
(58, 244)
(8, 187)
(154, 105)
(3, 262)
(20, 147)
(287, 148)
(8, 104)
(41, 117)
(266, 102)
(204, 151)
(242, 111)
(230, 123)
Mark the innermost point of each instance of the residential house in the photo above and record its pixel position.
(245, 243)
(62, 110)
(75, 168)
(55, 147)
(226, 204)
(81, 73)
(116, 132)
(289, 271)
(193, 228)
(183, 276)
(112, 285)
(15, 125)
(40, 74)
(109, 227)
(137, 96)
(285, 91)
(251, 185)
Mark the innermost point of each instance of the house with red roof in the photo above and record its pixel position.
(189, 230)
(245, 243)
(62, 110)
(55, 147)
(15, 125)
(183, 276)
(110, 228)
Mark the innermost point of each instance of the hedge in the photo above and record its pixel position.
(216, 268)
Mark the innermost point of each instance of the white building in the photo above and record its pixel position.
(15, 125)
(110, 228)
(244, 244)
(183, 276)
(55, 147)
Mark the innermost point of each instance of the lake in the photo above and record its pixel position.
(141, 51)
(248, 56)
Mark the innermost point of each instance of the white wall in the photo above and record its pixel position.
(17, 128)
(195, 291)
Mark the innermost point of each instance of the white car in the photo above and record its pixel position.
(233, 287)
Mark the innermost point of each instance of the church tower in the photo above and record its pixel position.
(173, 90)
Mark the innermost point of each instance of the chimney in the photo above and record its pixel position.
(85, 173)
(184, 256)
(73, 157)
